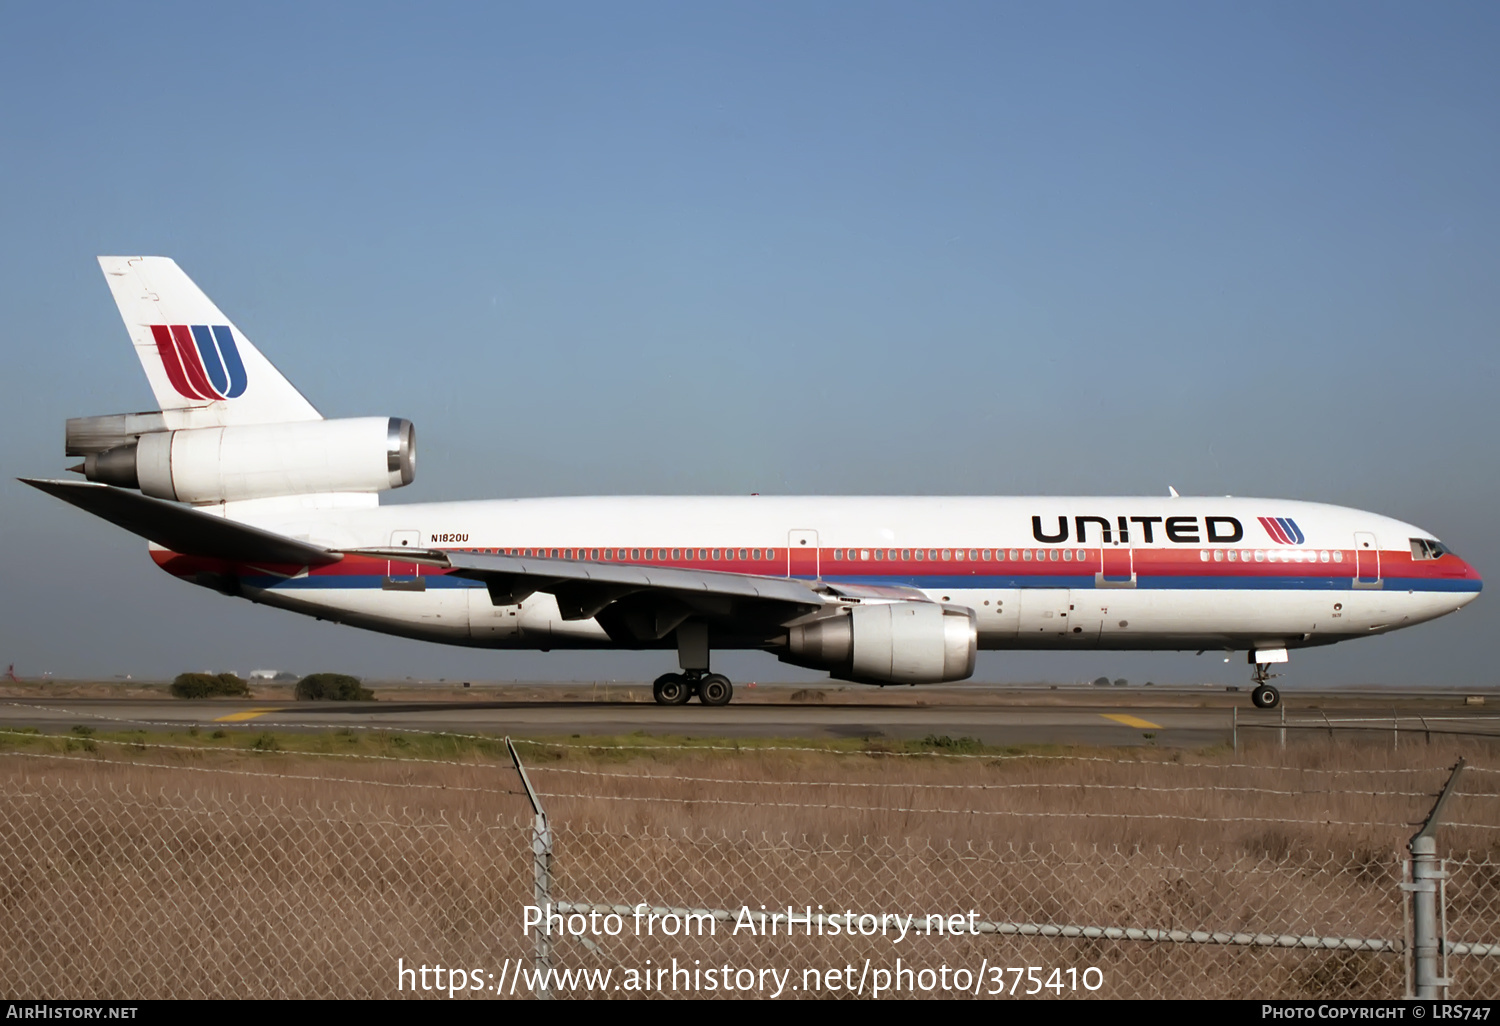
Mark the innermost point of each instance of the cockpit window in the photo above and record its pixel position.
(1427, 548)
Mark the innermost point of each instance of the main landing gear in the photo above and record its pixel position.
(1263, 694)
(678, 688)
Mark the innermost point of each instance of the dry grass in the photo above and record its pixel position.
(309, 864)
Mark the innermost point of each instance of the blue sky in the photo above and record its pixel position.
(795, 248)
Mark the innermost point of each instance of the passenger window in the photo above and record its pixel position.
(921, 555)
(755, 553)
(906, 554)
(1338, 555)
(947, 555)
(1323, 556)
(1203, 555)
(958, 554)
(770, 553)
(1260, 555)
(609, 553)
(1067, 555)
(1052, 555)
(554, 553)
(593, 553)
(744, 553)
(1026, 555)
(880, 553)
(985, 555)
(973, 554)
(716, 555)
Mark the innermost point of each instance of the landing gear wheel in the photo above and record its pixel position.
(715, 689)
(1265, 697)
(671, 689)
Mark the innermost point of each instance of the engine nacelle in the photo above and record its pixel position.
(891, 643)
(260, 461)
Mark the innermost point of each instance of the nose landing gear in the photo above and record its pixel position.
(1263, 694)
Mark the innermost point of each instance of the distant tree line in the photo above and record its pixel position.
(315, 687)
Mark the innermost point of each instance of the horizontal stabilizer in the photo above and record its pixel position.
(183, 529)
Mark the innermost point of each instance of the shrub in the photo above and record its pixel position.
(209, 685)
(332, 687)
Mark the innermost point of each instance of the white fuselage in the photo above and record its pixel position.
(1115, 573)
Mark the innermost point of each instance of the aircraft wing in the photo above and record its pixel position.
(631, 602)
(183, 529)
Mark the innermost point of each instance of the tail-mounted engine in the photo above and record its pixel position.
(891, 643)
(248, 461)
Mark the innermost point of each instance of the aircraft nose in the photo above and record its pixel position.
(1465, 571)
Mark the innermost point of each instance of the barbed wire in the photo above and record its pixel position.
(991, 812)
(273, 776)
(991, 757)
(367, 815)
(980, 787)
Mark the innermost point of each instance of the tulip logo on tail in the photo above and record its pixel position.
(201, 361)
(1283, 529)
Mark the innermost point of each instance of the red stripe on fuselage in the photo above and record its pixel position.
(1185, 562)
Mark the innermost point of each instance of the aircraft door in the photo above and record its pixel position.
(1117, 566)
(400, 575)
(802, 554)
(1366, 561)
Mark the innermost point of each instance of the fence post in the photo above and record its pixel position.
(541, 871)
(1283, 726)
(1427, 893)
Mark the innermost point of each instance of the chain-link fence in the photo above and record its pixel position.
(142, 891)
(1472, 911)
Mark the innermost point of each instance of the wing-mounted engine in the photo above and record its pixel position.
(888, 643)
(245, 461)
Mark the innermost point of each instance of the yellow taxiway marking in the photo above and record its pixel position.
(1130, 721)
(248, 714)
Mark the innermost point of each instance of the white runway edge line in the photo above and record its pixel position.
(1227, 937)
(77, 739)
(744, 749)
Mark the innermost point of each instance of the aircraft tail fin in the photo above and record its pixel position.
(203, 371)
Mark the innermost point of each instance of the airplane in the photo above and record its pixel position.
(241, 486)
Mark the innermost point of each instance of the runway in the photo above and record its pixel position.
(1185, 719)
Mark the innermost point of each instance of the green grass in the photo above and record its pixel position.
(575, 748)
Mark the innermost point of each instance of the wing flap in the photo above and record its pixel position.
(640, 602)
(183, 529)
